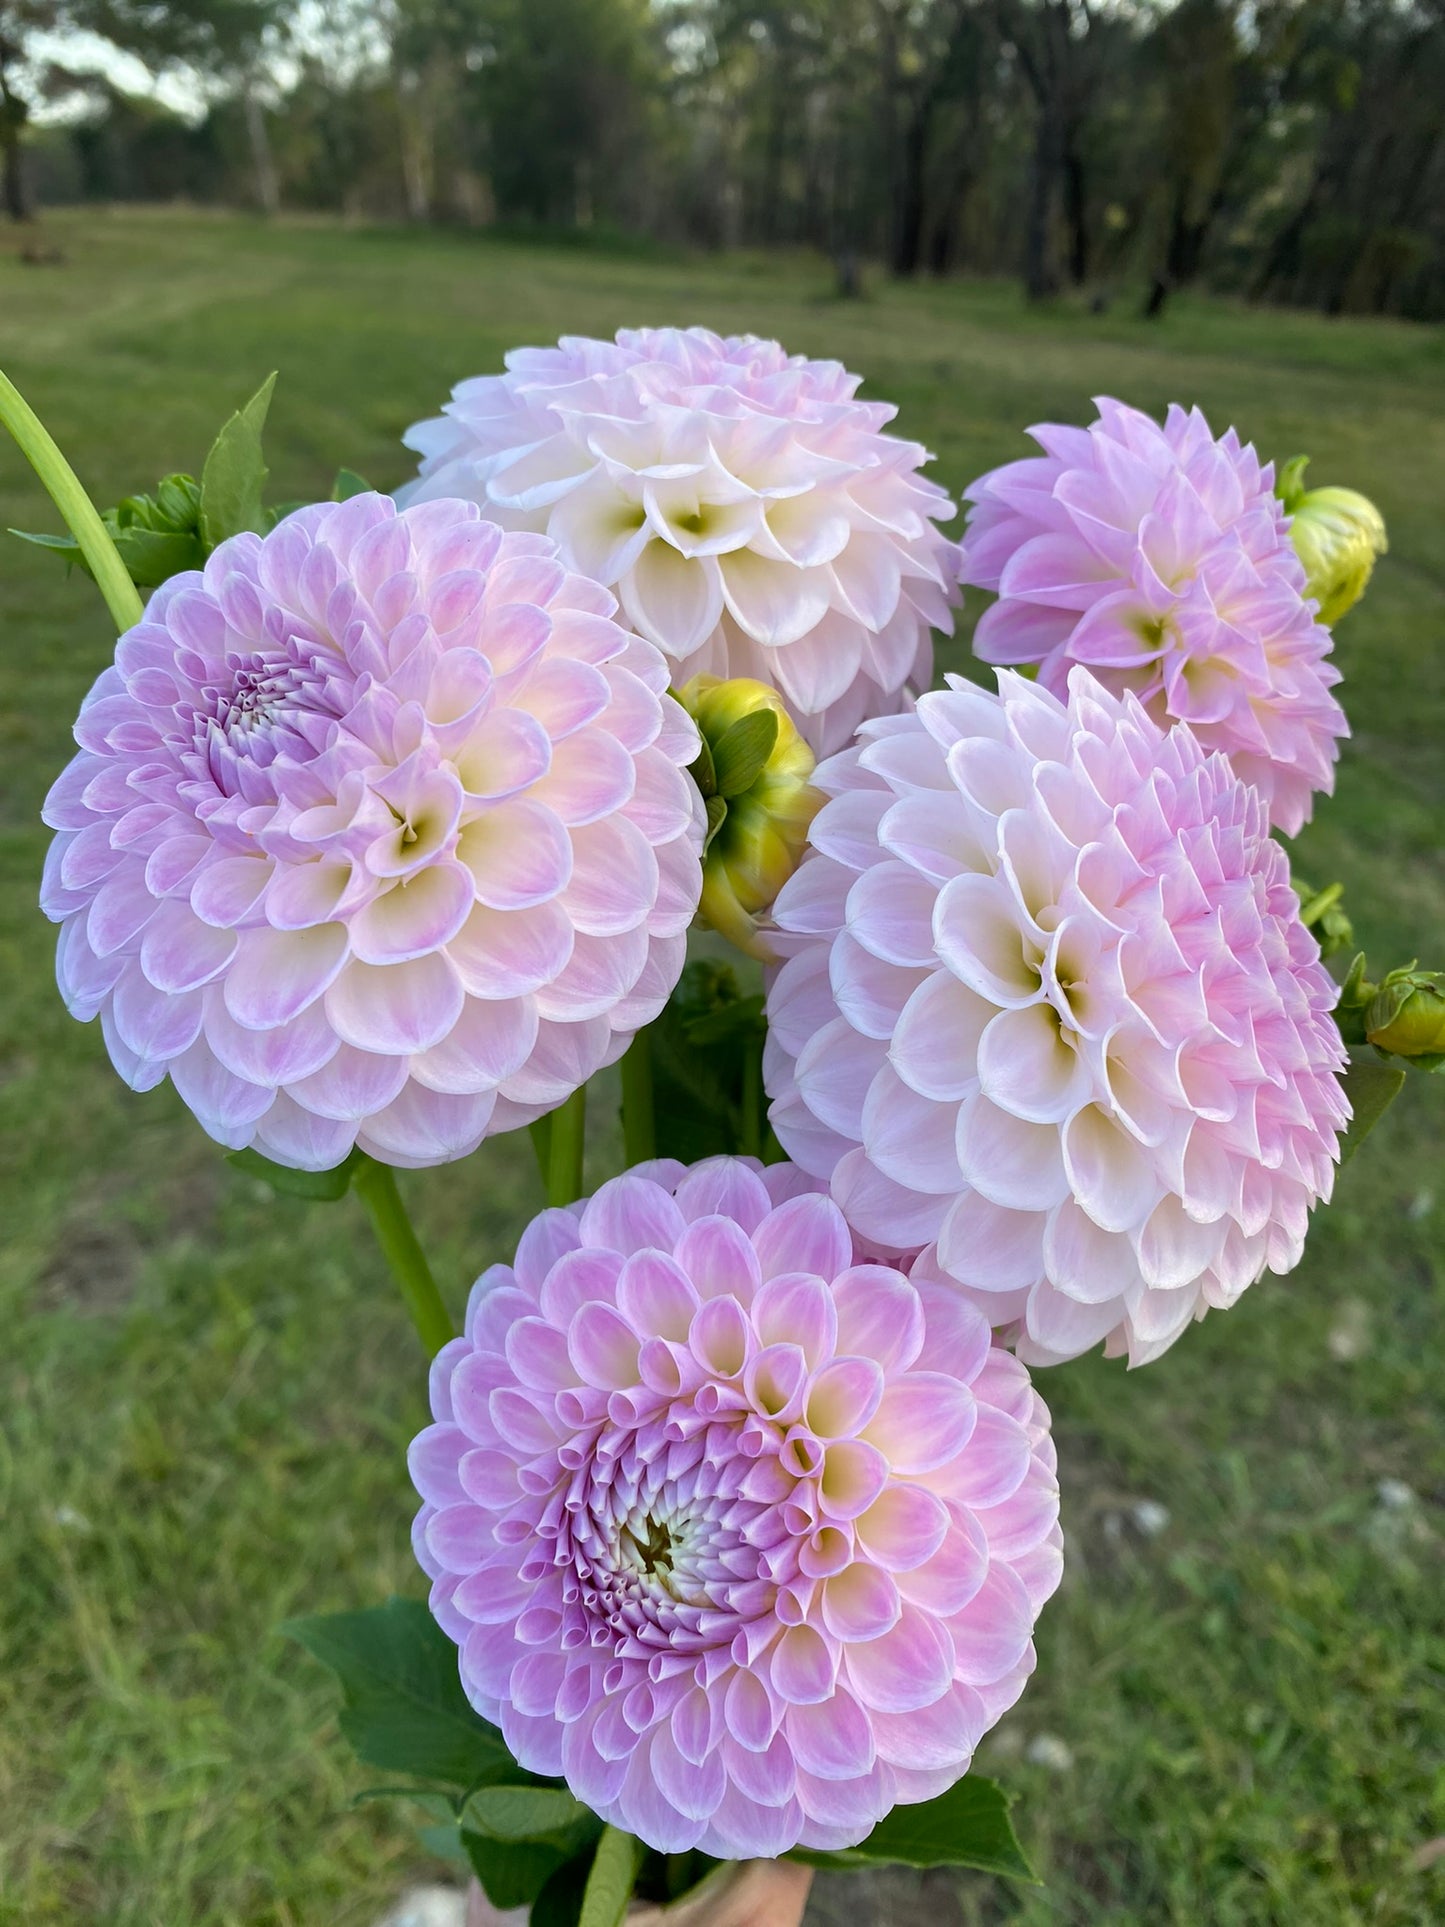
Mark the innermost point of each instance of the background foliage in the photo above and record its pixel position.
(1292, 150)
(205, 1392)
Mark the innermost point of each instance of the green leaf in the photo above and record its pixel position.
(403, 1705)
(701, 769)
(446, 1843)
(741, 1019)
(320, 1187)
(681, 1872)
(1290, 483)
(560, 1902)
(65, 545)
(700, 1050)
(347, 484)
(741, 753)
(153, 556)
(717, 815)
(235, 473)
(966, 1827)
(528, 1813)
(442, 1807)
(609, 1885)
(512, 1873)
(1371, 1087)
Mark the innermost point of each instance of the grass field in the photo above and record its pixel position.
(205, 1394)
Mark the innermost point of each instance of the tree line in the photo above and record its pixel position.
(1286, 150)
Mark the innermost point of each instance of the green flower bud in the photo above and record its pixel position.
(754, 774)
(1337, 534)
(1406, 1016)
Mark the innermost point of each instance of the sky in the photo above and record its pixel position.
(344, 32)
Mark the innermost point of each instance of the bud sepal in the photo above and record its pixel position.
(754, 772)
(1337, 533)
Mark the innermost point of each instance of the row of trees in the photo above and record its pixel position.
(1290, 149)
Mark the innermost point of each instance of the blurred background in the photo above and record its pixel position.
(205, 1391)
(1285, 150)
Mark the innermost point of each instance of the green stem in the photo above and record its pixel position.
(565, 1142)
(376, 1185)
(38, 446)
(750, 1135)
(1311, 912)
(540, 1132)
(639, 1121)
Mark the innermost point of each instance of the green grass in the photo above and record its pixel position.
(205, 1393)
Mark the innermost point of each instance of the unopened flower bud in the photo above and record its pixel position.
(754, 774)
(1407, 1016)
(1337, 534)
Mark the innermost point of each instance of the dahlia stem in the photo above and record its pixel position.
(63, 486)
(376, 1185)
(565, 1142)
(639, 1120)
(750, 1136)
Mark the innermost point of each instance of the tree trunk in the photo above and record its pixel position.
(415, 147)
(908, 206)
(1076, 208)
(263, 167)
(12, 156)
(1042, 278)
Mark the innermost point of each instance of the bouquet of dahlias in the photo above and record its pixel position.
(386, 832)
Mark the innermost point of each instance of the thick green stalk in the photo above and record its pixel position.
(565, 1143)
(61, 482)
(376, 1185)
(639, 1121)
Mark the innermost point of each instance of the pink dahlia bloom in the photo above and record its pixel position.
(742, 1536)
(379, 834)
(749, 511)
(1052, 1013)
(1160, 558)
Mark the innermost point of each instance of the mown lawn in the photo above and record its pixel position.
(205, 1394)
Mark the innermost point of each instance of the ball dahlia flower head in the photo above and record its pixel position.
(743, 1536)
(379, 834)
(749, 511)
(1161, 559)
(1052, 1022)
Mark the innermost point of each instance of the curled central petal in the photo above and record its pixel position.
(744, 1537)
(751, 513)
(270, 703)
(1050, 1017)
(379, 834)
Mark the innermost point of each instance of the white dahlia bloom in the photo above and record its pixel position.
(747, 509)
(1051, 1013)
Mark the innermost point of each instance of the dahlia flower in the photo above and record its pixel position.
(743, 1537)
(1051, 1012)
(1160, 559)
(379, 835)
(749, 511)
